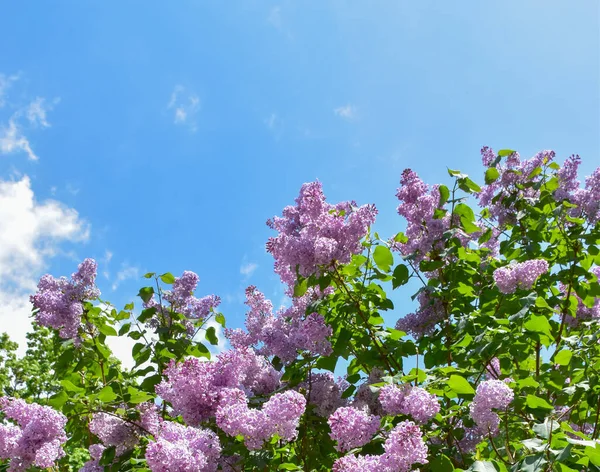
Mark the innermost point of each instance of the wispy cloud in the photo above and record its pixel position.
(248, 269)
(6, 82)
(31, 234)
(12, 133)
(37, 111)
(127, 272)
(12, 140)
(185, 105)
(347, 112)
(275, 17)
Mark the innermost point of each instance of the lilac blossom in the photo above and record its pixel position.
(59, 302)
(37, 437)
(183, 449)
(114, 431)
(519, 275)
(403, 448)
(279, 415)
(351, 427)
(325, 392)
(313, 233)
(490, 395)
(93, 465)
(422, 322)
(193, 386)
(285, 333)
(407, 400)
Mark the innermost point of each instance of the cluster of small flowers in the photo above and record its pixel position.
(364, 398)
(352, 427)
(113, 431)
(284, 333)
(180, 448)
(407, 400)
(403, 448)
(279, 415)
(182, 300)
(193, 386)
(325, 392)
(588, 198)
(418, 204)
(423, 321)
(520, 275)
(37, 438)
(59, 301)
(512, 177)
(93, 465)
(314, 233)
(584, 312)
(490, 395)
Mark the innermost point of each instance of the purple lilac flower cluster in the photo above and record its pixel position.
(93, 465)
(183, 300)
(407, 400)
(37, 437)
(59, 302)
(418, 203)
(284, 333)
(279, 415)
(193, 386)
(490, 395)
(352, 427)
(423, 321)
(513, 174)
(325, 392)
(584, 312)
(403, 448)
(364, 398)
(314, 233)
(179, 448)
(113, 431)
(520, 275)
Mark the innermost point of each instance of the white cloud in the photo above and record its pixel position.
(36, 111)
(347, 112)
(185, 106)
(31, 233)
(6, 82)
(13, 140)
(127, 272)
(248, 269)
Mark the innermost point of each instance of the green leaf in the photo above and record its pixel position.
(108, 456)
(107, 330)
(57, 400)
(482, 466)
(464, 211)
(124, 329)
(150, 382)
(505, 152)
(563, 357)
(537, 403)
(441, 463)
(220, 318)
(288, 466)
(167, 278)
(491, 175)
(211, 336)
(444, 195)
(146, 293)
(107, 395)
(70, 386)
(383, 258)
(300, 288)
(138, 396)
(149, 275)
(460, 385)
(538, 324)
(400, 275)
(327, 363)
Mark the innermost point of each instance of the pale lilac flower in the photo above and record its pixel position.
(351, 427)
(407, 400)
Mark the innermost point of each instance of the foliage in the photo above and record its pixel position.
(496, 370)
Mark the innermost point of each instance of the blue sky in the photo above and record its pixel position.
(166, 133)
